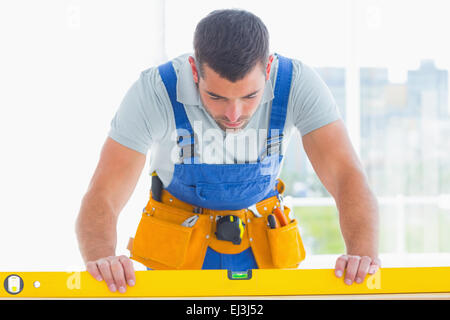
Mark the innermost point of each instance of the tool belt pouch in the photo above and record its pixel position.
(161, 242)
(286, 246)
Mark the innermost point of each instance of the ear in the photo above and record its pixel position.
(194, 69)
(269, 65)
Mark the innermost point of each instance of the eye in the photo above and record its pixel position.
(251, 97)
(214, 98)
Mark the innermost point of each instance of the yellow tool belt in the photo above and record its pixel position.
(162, 243)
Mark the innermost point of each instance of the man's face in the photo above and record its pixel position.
(231, 104)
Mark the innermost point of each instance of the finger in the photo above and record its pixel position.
(352, 268)
(105, 270)
(364, 265)
(91, 267)
(128, 268)
(341, 263)
(374, 266)
(118, 274)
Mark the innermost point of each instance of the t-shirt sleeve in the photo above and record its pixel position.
(313, 104)
(139, 119)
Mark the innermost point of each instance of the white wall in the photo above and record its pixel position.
(64, 68)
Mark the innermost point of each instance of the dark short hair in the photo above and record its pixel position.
(231, 42)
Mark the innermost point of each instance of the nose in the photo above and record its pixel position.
(233, 111)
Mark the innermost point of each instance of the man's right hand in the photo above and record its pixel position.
(117, 271)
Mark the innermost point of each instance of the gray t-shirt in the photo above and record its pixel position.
(145, 118)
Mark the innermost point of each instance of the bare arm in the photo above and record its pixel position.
(338, 167)
(110, 188)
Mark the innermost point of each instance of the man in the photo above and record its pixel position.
(195, 112)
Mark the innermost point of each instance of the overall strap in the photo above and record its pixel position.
(279, 104)
(186, 137)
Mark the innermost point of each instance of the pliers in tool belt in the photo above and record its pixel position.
(253, 209)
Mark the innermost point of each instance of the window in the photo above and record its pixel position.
(404, 121)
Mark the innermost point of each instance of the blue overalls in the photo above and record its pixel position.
(228, 186)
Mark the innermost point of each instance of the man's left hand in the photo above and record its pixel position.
(356, 267)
